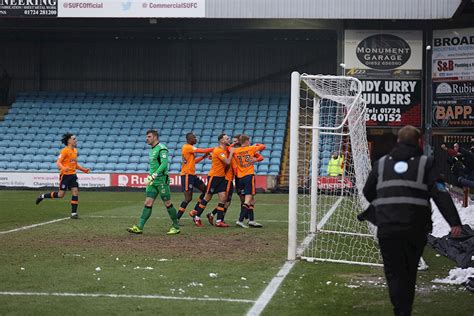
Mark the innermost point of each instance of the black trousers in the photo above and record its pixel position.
(400, 257)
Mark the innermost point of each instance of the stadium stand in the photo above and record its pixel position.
(111, 128)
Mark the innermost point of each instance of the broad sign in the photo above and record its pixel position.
(389, 65)
(453, 78)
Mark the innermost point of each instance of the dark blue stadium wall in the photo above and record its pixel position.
(256, 61)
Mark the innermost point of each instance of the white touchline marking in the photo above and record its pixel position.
(163, 297)
(32, 226)
(270, 290)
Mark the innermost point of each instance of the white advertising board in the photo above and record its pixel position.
(131, 9)
(38, 180)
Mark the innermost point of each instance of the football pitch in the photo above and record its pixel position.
(52, 265)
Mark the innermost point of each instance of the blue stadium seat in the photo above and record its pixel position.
(143, 167)
(12, 165)
(251, 119)
(278, 140)
(175, 167)
(35, 158)
(276, 154)
(275, 161)
(121, 167)
(274, 169)
(5, 157)
(206, 168)
(123, 159)
(44, 166)
(262, 169)
(100, 166)
(134, 160)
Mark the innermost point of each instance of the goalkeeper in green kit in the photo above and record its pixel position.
(158, 183)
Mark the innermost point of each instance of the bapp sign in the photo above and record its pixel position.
(132, 8)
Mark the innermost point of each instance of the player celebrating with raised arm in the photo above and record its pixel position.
(189, 180)
(67, 164)
(216, 183)
(158, 182)
(258, 158)
(244, 159)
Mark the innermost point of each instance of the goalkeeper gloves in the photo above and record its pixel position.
(151, 178)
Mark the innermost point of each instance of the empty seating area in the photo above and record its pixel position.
(111, 128)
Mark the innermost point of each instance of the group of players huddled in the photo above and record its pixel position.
(229, 161)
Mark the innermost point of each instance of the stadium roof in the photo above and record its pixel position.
(333, 9)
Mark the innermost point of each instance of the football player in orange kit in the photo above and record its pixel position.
(244, 158)
(67, 164)
(189, 179)
(216, 183)
(229, 175)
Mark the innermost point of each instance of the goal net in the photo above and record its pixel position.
(329, 164)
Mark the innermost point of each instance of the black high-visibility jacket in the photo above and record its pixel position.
(400, 186)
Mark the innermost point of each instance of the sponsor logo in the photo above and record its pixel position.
(122, 180)
(456, 88)
(454, 41)
(456, 112)
(383, 51)
(126, 5)
(29, 2)
(444, 88)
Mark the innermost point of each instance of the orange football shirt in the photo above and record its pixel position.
(243, 159)
(218, 166)
(68, 159)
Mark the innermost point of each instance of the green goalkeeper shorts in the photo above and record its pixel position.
(160, 186)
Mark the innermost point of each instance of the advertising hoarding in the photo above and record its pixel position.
(389, 65)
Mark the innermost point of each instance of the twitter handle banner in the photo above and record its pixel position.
(131, 8)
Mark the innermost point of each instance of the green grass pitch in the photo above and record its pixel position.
(202, 271)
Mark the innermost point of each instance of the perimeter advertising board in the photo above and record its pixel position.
(38, 180)
(453, 78)
(389, 65)
(98, 180)
(28, 8)
(131, 8)
(138, 180)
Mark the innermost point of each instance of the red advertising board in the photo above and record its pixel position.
(138, 180)
(334, 183)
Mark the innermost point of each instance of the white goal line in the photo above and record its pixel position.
(110, 295)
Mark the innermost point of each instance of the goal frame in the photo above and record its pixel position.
(294, 250)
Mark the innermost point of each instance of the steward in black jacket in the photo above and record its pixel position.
(399, 188)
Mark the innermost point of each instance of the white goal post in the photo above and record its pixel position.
(328, 118)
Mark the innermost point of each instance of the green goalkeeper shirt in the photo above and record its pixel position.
(159, 160)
